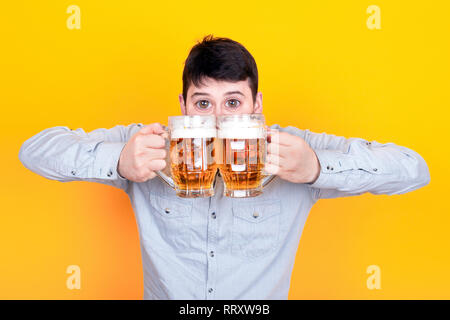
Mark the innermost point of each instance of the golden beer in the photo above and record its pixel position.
(241, 152)
(193, 166)
(192, 162)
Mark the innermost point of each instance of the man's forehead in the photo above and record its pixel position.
(209, 84)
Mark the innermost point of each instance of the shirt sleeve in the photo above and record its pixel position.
(353, 166)
(62, 154)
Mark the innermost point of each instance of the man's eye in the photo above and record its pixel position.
(232, 103)
(203, 104)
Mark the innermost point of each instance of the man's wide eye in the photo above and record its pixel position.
(233, 103)
(203, 104)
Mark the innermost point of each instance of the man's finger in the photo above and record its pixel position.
(275, 160)
(283, 138)
(157, 164)
(165, 135)
(271, 168)
(151, 175)
(154, 128)
(154, 153)
(152, 141)
(278, 149)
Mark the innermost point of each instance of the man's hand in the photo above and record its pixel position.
(143, 154)
(292, 159)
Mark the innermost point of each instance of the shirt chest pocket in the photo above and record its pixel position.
(256, 228)
(172, 223)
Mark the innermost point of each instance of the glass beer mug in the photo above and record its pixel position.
(241, 154)
(191, 155)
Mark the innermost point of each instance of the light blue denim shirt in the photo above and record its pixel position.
(220, 247)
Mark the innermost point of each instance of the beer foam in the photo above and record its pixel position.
(179, 133)
(195, 121)
(241, 133)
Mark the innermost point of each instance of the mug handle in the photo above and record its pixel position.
(165, 174)
(269, 135)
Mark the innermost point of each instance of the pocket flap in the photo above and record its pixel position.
(258, 211)
(170, 208)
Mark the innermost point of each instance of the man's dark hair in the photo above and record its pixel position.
(221, 59)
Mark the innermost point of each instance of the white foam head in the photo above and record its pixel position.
(196, 126)
(241, 127)
(241, 133)
(193, 133)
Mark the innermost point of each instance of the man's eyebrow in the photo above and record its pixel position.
(234, 92)
(199, 94)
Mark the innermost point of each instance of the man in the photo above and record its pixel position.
(220, 247)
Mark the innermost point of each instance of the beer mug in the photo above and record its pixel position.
(191, 155)
(241, 154)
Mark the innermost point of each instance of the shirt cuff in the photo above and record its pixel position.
(106, 160)
(333, 164)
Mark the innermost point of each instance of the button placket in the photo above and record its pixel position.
(211, 249)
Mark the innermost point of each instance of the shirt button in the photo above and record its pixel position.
(211, 253)
(210, 290)
(375, 169)
(73, 172)
(213, 215)
(167, 210)
(109, 174)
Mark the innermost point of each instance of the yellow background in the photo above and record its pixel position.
(320, 68)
